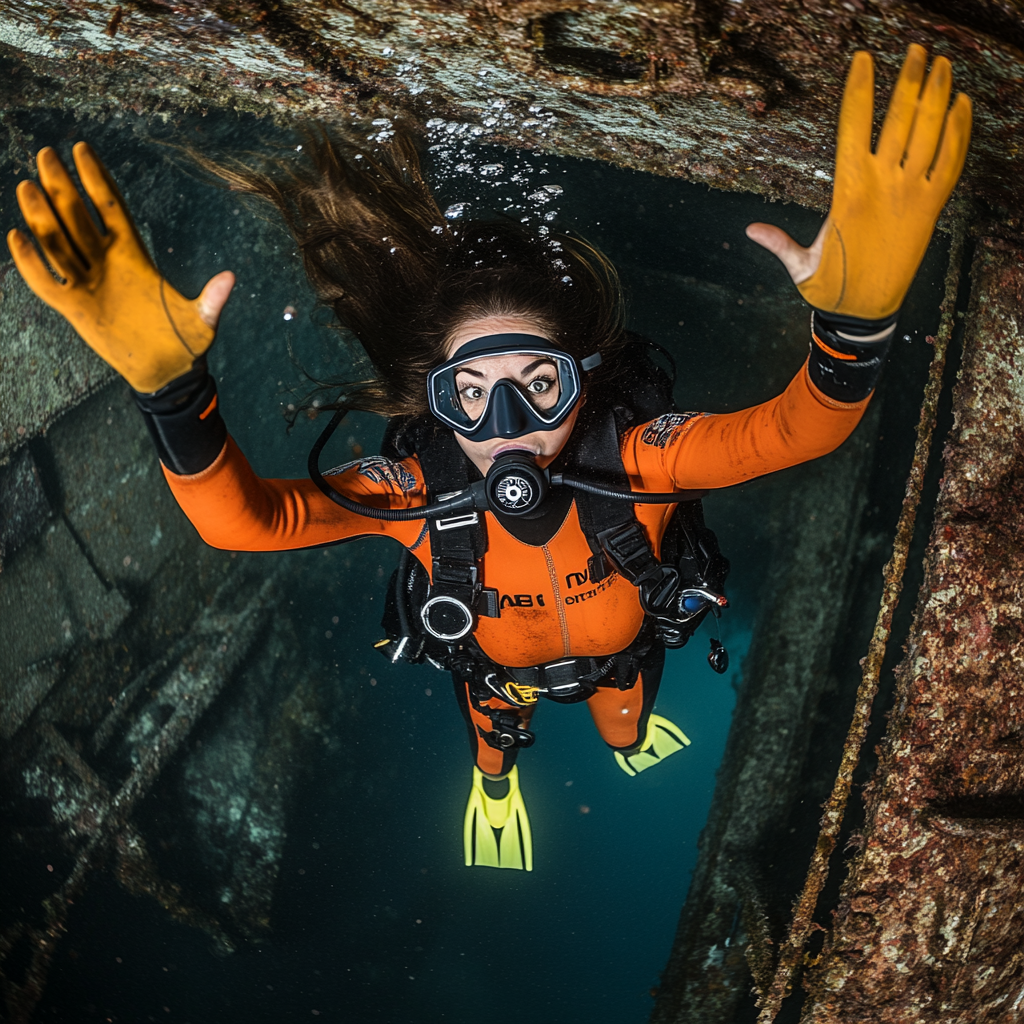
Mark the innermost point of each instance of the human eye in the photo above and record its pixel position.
(540, 385)
(471, 392)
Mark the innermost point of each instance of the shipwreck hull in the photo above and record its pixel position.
(930, 915)
(736, 96)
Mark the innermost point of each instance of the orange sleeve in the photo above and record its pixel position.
(234, 509)
(697, 451)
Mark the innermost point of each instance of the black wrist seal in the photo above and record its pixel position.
(184, 421)
(842, 366)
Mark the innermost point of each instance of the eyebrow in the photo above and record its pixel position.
(533, 366)
(525, 371)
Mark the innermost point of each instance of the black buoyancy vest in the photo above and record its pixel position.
(617, 542)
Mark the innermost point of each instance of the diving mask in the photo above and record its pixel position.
(506, 385)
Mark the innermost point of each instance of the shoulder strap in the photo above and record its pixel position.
(459, 542)
(598, 457)
(614, 535)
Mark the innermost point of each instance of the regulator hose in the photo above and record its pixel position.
(469, 498)
(637, 497)
(392, 515)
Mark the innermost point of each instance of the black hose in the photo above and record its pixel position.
(402, 581)
(391, 515)
(637, 497)
(465, 500)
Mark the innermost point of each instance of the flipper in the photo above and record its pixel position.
(663, 738)
(496, 832)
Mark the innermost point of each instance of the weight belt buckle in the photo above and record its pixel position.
(521, 693)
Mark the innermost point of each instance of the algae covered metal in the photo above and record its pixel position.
(738, 95)
(933, 906)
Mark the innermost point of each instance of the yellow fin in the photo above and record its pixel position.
(496, 832)
(663, 739)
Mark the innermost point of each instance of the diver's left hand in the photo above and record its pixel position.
(884, 204)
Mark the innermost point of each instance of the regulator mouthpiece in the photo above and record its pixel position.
(515, 484)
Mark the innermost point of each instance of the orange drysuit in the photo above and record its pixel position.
(548, 608)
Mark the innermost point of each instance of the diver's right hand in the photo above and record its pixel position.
(111, 293)
(885, 202)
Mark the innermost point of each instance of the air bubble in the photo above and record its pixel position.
(555, 190)
(492, 170)
(551, 215)
(436, 122)
(456, 210)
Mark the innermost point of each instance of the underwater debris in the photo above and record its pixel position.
(90, 818)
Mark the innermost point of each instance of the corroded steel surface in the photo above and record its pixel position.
(741, 95)
(933, 908)
(724, 938)
(792, 953)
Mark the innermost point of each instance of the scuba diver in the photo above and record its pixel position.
(544, 489)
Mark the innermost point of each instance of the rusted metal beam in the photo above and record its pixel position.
(930, 918)
(792, 952)
(737, 95)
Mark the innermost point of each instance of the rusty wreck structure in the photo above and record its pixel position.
(736, 94)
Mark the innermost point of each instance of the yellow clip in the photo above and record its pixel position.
(381, 643)
(519, 693)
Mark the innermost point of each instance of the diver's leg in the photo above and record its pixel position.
(621, 716)
(496, 829)
(638, 738)
(482, 721)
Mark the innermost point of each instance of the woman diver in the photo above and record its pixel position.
(534, 470)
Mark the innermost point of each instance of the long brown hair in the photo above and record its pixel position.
(402, 278)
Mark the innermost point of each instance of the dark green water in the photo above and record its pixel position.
(375, 918)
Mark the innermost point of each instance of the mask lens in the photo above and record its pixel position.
(535, 376)
(499, 389)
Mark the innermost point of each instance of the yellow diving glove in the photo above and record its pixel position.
(884, 204)
(112, 293)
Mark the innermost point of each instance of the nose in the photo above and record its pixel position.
(508, 414)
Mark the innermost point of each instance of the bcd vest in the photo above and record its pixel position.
(423, 614)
